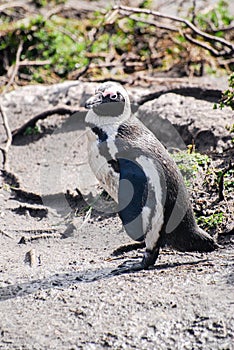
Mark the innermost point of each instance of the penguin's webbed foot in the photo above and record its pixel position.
(126, 268)
(148, 260)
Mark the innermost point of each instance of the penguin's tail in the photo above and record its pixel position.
(197, 240)
(203, 242)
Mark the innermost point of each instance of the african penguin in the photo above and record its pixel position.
(140, 175)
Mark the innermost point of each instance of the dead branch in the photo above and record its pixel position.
(30, 257)
(194, 5)
(205, 46)
(221, 180)
(14, 4)
(125, 10)
(81, 6)
(26, 63)
(137, 64)
(78, 73)
(25, 240)
(61, 109)
(94, 33)
(72, 36)
(153, 23)
(5, 150)
(96, 54)
(16, 66)
(229, 61)
(55, 11)
(39, 231)
(3, 233)
(224, 29)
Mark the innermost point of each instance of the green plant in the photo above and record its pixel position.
(118, 46)
(45, 40)
(41, 3)
(190, 164)
(210, 221)
(216, 18)
(32, 131)
(145, 4)
(229, 181)
(227, 99)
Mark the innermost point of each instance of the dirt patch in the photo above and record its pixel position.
(68, 296)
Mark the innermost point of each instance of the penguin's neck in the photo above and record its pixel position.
(105, 127)
(106, 133)
(109, 122)
(102, 135)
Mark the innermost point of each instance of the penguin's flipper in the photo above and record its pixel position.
(132, 196)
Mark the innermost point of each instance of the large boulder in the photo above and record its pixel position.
(181, 120)
(55, 160)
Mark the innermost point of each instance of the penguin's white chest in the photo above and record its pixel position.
(99, 153)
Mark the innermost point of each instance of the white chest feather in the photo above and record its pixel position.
(103, 171)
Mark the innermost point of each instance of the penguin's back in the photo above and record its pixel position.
(179, 228)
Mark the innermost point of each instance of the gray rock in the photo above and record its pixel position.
(55, 160)
(178, 121)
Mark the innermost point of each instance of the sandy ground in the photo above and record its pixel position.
(60, 293)
(69, 299)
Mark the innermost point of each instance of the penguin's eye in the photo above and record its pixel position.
(113, 97)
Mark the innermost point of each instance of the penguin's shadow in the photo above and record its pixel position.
(66, 280)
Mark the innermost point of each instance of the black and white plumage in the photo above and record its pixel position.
(139, 174)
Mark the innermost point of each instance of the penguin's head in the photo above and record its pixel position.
(110, 102)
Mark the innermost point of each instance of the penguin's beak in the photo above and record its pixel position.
(94, 101)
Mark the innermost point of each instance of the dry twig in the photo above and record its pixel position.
(26, 63)
(14, 4)
(25, 240)
(221, 180)
(5, 150)
(125, 10)
(78, 73)
(30, 258)
(153, 23)
(205, 46)
(5, 234)
(94, 33)
(16, 66)
(61, 109)
(38, 231)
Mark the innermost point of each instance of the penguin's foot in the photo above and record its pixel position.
(148, 260)
(126, 268)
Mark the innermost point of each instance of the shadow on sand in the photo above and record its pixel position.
(69, 279)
